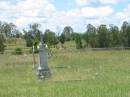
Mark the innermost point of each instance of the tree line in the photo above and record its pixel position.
(7, 32)
(102, 36)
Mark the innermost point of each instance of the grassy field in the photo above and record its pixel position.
(75, 74)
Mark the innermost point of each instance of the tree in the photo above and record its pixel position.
(103, 36)
(18, 34)
(8, 29)
(2, 40)
(32, 36)
(50, 38)
(28, 38)
(36, 33)
(78, 41)
(114, 35)
(128, 33)
(90, 36)
(125, 34)
(62, 39)
(86, 38)
(68, 32)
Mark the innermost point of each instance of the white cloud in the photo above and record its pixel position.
(27, 11)
(79, 18)
(63, 18)
(110, 1)
(92, 12)
(35, 8)
(24, 21)
(84, 2)
(105, 2)
(32, 9)
(43, 11)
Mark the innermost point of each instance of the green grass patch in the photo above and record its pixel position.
(75, 74)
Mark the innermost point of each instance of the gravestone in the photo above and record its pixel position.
(43, 69)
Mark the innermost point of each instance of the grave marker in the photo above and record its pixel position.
(43, 69)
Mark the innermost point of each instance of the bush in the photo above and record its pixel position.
(18, 51)
(29, 42)
(35, 50)
(78, 41)
(2, 46)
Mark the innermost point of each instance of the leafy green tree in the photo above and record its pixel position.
(50, 38)
(103, 36)
(62, 39)
(125, 34)
(68, 32)
(28, 38)
(36, 33)
(18, 34)
(33, 35)
(86, 38)
(2, 38)
(8, 29)
(114, 36)
(128, 33)
(2, 41)
(78, 41)
(90, 36)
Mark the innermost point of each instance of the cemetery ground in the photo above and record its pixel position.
(76, 73)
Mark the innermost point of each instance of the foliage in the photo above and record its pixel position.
(78, 41)
(62, 39)
(34, 49)
(103, 36)
(2, 45)
(50, 38)
(32, 35)
(90, 36)
(114, 36)
(95, 37)
(68, 33)
(28, 38)
(125, 34)
(18, 51)
(9, 29)
(2, 38)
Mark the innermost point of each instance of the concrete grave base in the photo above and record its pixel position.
(44, 73)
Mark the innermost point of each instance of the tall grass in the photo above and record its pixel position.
(75, 74)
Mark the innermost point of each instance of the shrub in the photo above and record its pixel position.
(78, 41)
(18, 51)
(2, 48)
(35, 50)
(2, 41)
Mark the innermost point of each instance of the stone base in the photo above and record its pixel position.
(44, 73)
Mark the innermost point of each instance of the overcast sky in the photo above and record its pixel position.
(55, 14)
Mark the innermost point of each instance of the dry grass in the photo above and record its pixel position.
(75, 74)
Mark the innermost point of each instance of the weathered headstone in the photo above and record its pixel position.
(43, 69)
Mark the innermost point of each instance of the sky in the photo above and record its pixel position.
(56, 14)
